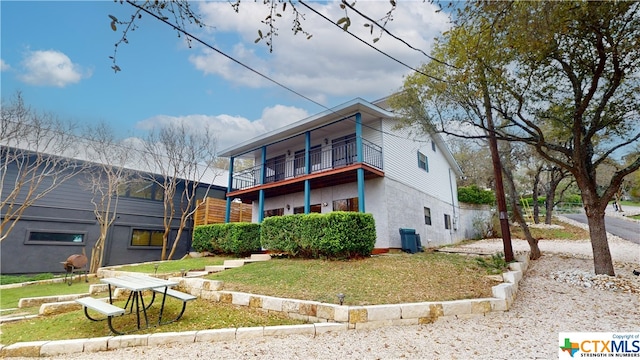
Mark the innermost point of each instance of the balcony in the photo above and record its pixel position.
(331, 166)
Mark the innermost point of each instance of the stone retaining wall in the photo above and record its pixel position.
(321, 316)
(367, 317)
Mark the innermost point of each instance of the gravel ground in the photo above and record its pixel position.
(546, 304)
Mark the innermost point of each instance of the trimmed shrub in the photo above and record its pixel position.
(348, 235)
(334, 235)
(474, 195)
(203, 236)
(282, 233)
(238, 239)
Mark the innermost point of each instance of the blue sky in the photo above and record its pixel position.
(57, 54)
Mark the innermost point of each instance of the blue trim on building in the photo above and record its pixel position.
(307, 163)
(262, 181)
(227, 214)
(360, 172)
(260, 206)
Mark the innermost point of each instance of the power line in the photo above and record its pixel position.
(176, 27)
(369, 45)
(394, 36)
(265, 76)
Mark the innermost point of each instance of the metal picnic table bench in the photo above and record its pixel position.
(136, 285)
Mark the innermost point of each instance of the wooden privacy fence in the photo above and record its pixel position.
(212, 211)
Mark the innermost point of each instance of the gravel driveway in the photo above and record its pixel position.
(529, 330)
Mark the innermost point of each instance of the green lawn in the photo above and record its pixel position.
(384, 279)
(176, 266)
(392, 278)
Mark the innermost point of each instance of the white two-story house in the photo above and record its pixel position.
(353, 158)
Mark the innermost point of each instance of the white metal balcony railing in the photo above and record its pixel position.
(321, 160)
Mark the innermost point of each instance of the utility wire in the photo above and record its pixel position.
(176, 27)
(369, 45)
(394, 36)
(267, 77)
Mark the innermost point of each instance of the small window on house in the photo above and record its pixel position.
(142, 237)
(313, 209)
(423, 161)
(427, 216)
(447, 221)
(346, 205)
(51, 237)
(433, 146)
(273, 212)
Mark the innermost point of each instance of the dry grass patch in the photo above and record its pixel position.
(563, 231)
(384, 279)
(200, 315)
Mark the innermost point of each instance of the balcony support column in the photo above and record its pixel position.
(260, 206)
(227, 213)
(360, 172)
(307, 165)
(262, 181)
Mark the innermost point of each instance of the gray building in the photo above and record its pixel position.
(63, 223)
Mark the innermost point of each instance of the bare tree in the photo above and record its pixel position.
(36, 154)
(179, 161)
(104, 177)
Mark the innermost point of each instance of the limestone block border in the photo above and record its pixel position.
(360, 317)
(322, 317)
(62, 347)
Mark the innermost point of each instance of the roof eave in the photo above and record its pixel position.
(299, 127)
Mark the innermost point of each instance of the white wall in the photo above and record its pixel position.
(406, 210)
(401, 162)
(468, 215)
(398, 200)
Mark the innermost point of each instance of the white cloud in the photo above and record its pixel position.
(231, 130)
(51, 68)
(331, 63)
(4, 66)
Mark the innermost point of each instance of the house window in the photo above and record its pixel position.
(423, 161)
(50, 237)
(274, 169)
(344, 150)
(273, 212)
(317, 208)
(141, 189)
(142, 237)
(427, 216)
(447, 221)
(346, 205)
(433, 146)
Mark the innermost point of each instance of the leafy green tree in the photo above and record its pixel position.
(535, 66)
(474, 195)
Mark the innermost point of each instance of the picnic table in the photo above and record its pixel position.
(137, 285)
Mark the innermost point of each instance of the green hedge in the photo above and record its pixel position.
(529, 200)
(474, 195)
(238, 239)
(567, 200)
(334, 235)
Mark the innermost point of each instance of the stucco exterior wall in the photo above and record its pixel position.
(471, 217)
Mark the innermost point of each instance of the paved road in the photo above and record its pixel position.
(624, 228)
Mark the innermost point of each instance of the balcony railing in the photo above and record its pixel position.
(328, 159)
